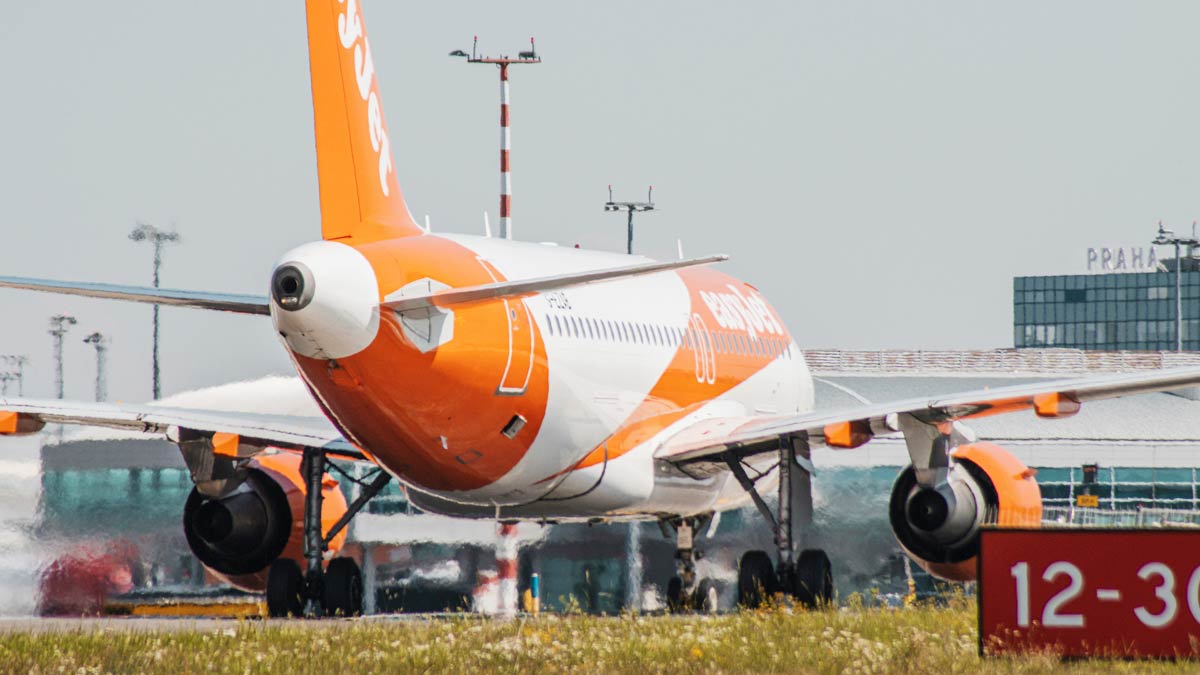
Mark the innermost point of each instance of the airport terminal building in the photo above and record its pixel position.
(1127, 301)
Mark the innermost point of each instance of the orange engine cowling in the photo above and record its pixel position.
(939, 527)
(238, 536)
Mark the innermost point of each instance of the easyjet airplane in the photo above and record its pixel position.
(506, 380)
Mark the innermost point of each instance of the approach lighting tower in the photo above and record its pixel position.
(59, 325)
(147, 232)
(100, 342)
(16, 364)
(631, 208)
(1165, 238)
(505, 139)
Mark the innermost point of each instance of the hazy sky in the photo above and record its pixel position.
(880, 170)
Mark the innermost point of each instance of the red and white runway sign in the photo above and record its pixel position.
(1090, 592)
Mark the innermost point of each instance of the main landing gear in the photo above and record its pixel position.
(335, 590)
(807, 577)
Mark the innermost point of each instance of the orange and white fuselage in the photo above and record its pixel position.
(548, 406)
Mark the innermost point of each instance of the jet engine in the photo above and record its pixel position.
(939, 526)
(238, 535)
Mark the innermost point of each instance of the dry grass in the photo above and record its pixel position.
(854, 640)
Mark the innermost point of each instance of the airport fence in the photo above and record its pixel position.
(1071, 516)
(982, 361)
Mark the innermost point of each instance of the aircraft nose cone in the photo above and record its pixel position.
(292, 286)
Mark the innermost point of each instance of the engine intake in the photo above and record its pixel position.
(939, 526)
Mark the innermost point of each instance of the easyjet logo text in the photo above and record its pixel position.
(350, 30)
(734, 311)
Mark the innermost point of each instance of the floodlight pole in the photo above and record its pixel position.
(17, 363)
(505, 138)
(630, 208)
(100, 342)
(59, 325)
(1167, 237)
(147, 232)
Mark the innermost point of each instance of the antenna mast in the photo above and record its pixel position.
(630, 208)
(505, 139)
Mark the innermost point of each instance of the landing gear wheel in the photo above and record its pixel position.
(813, 579)
(284, 585)
(676, 602)
(705, 600)
(756, 579)
(342, 588)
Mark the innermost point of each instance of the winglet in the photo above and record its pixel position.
(360, 196)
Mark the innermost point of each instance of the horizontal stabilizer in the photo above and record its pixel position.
(225, 302)
(522, 287)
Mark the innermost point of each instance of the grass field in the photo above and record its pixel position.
(921, 640)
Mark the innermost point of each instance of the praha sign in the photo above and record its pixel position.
(1132, 259)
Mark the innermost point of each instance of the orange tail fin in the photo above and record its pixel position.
(360, 196)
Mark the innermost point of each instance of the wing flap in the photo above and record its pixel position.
(251, 429)
(225, 302)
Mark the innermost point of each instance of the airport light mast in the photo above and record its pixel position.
(100, 342)
(160, 238)
(631, 208)
(59, 325)
(17, 364)
(1167, 237)
(505, 140)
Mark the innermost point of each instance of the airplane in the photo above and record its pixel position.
(507, 380)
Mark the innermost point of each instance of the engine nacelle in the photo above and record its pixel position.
(939, 527)
(239, 535)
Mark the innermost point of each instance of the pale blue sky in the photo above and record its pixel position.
(879, 170)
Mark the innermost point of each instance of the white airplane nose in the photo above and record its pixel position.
(325, 300)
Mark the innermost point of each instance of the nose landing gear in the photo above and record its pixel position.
(687, 591)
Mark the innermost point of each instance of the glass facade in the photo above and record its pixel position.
(1107, 312)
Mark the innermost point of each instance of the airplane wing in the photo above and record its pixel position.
(520, 287)
(226, 302)
(243, 434)
(717, 441)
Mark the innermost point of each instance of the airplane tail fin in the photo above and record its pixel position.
(360, 196)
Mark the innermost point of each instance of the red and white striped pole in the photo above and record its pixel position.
(505, 146)
(505, 140)
(506, 568)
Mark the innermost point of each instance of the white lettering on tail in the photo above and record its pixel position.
(350, 30)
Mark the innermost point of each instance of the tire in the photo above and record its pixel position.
(676, 602)
(342, 590)
(756, 579)
(813, 579)
(705, 600)
(284, 584)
